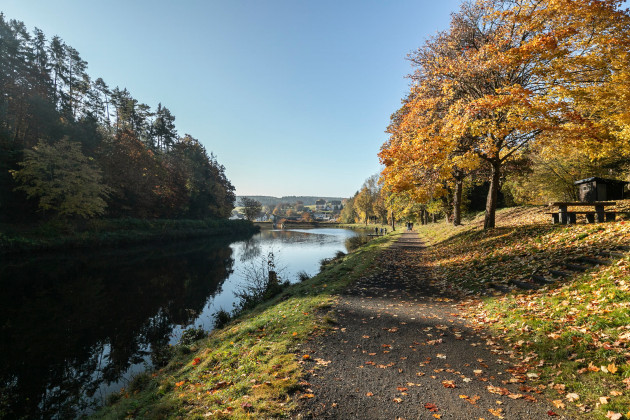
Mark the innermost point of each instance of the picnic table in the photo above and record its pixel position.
(599, 214)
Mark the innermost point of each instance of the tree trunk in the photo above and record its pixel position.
(493, 193)
(393, 222)
(457, 202)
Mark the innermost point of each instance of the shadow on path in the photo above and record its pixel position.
(401, 350)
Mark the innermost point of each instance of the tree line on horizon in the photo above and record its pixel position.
(73, 147)
(522, 97)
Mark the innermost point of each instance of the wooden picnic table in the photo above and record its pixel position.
(599, 214)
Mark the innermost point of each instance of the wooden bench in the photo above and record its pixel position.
(564, 216)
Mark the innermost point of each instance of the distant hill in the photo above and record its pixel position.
(266, 200)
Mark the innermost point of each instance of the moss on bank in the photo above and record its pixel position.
(113, 232)
(250, 368)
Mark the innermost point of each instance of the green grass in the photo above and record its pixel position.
(573, 334)
(250, 368)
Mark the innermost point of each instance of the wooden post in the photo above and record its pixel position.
(601, 215)
(562, 212)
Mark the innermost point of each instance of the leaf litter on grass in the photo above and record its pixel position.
(575, 333)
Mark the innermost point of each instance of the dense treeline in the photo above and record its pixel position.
(72, 147)
(524, 96)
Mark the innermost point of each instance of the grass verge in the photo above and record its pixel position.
(570, 337)
(249, 368)
(58, 235)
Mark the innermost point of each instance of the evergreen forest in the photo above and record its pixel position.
(74, 148)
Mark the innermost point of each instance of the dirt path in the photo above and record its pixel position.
(400, 351)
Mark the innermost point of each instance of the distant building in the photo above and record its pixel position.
(320, 204)
(334, 205)
(264, 218)
(321, 216)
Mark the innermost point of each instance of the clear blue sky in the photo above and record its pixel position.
(293, 96)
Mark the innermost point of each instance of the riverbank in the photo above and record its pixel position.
(483, 342)
(55, 236)
(249, 368)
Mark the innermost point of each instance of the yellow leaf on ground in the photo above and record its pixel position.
(558, 404)
(572, 396)
(497, 412)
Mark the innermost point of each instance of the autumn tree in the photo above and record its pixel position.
(62, 179)
(251, 207)
(208, 191)
(139, 180)
(348, 213)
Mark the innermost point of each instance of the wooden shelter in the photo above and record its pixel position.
(600, 189)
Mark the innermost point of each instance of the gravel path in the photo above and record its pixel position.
(400, 350)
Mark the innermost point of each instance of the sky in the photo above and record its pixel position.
(292, 96)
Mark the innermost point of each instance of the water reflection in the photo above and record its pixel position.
(75, 327)
(69, 324)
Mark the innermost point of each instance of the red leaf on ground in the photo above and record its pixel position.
(431, 407)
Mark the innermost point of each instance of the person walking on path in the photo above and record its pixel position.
(400, 349)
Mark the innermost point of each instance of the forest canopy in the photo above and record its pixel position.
(73, 147)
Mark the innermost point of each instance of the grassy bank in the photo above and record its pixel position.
(571, 337)
(252, 367)
(112, 232)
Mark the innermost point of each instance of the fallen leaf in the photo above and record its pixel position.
(558, 404)
(603, 400)
(497, 412)
(614, 416)
(397, 400)
(612, 368)
(572, 397)
(448, 384)
(431, 407)
(369, 394)
(497, 390)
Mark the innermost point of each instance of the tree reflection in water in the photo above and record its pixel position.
(70, 324)
(76, 327)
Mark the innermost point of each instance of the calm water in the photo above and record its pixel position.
(76, 327)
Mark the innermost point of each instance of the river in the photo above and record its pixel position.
(75, 327)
